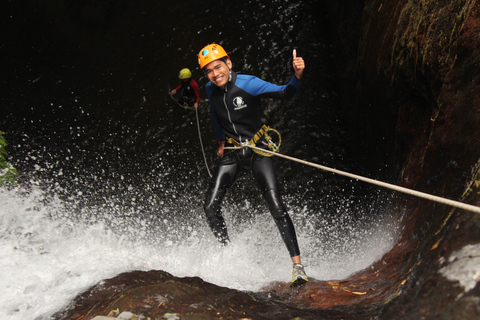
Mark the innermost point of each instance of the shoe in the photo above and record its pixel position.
(223, 238)
(298, 275)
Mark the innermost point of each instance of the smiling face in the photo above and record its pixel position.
(218, 72)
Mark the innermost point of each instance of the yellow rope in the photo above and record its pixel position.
(273, 147)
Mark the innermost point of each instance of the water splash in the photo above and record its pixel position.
(118, 181)
(51, 251)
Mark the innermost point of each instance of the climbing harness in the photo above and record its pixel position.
(185, 106)
(263, 132)
(419, 194)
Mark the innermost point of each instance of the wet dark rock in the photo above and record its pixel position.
(157, 294)
(418, 68)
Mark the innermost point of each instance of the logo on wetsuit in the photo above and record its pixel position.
(239, 103)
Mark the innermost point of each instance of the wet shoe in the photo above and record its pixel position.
(298, 275)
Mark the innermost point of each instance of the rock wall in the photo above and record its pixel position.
(417, 85)
(424, 55)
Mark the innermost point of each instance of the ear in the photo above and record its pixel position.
(229, 64)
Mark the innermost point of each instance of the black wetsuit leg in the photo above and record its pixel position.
(222, 179)
(264, 173)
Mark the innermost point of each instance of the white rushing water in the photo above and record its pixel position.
(47, 259)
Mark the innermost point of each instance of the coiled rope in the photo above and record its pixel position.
(412, 192)
(274, 147)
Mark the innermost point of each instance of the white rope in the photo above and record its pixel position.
(201, 143)
(198, 127)
(419, 194)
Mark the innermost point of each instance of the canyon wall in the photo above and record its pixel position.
(417, 87)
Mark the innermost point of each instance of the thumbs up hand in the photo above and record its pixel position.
(298, 65)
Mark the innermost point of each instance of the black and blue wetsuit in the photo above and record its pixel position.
(236, 114)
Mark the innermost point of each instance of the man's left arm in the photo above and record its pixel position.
(262, 88)
(298, 65)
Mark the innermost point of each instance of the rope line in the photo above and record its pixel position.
(412, 192)
(201, 143)
(178, 103)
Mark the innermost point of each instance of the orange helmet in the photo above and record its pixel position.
(211, 53)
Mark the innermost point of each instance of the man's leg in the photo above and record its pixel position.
(265, 174)
(222, 179)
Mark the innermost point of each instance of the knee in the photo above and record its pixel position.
(210, 209)
(275, 204)
(212, 206)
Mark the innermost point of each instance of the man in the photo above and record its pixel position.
(188, 89)
(236, 114)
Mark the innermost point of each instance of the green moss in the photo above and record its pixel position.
(8, 174)
(473, 186)
(426, 35)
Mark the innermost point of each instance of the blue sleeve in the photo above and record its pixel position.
(259, 87)
(218, 130)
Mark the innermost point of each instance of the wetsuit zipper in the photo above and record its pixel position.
(230, 118)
